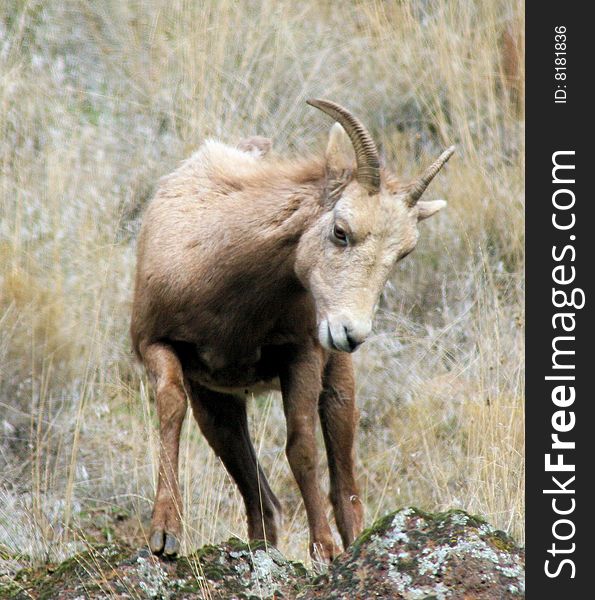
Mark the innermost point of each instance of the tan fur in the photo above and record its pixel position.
(240, 286)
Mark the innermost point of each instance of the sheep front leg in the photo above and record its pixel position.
(301, 384)
(339, 417)
(166, 372)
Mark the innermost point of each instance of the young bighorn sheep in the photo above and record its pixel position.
(256, 273)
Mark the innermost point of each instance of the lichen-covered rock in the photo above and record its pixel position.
(412, 555)
(231, 570)
(407, 555)
(236, 570)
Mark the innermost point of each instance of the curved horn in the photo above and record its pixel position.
(366, 153)
(420, 185)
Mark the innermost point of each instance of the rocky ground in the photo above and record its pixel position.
(408, 555)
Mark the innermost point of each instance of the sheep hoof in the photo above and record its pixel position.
(164, 543)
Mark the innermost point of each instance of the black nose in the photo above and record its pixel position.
(353, 343)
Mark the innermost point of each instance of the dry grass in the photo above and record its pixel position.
(98, 99)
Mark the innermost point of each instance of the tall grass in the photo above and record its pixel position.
(99, 99)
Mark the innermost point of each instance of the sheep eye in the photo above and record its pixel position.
(340, 235)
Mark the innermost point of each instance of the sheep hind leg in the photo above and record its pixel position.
(223, 421)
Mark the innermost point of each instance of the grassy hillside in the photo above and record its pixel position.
(99, 99)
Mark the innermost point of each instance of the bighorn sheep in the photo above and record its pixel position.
(257, 273)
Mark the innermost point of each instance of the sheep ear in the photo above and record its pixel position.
(256, 145)
(426, 208)
(339, 150)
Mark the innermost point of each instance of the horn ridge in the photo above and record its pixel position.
(366, 152)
